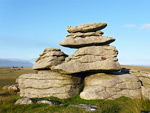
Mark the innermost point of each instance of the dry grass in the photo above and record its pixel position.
(140, 68)
(8, 76)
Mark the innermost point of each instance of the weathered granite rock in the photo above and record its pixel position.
(92, 27)
(146, 92)
(98, 56)
(77, 42)
(83, 35)
(144, 76)
(47, 84)
(23, 101)
(50, 57)
(105, 51)
(105, 86)
(93, 58)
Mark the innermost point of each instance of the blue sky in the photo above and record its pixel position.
(27, 27)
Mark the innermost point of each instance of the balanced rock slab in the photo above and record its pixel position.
(50, 57)
(77, 42)
(47, 84)
(79, 34)
(107, 86)
(87, 59)
(92, 27)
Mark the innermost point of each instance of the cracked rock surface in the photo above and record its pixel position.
(47, 84)
(49, 57)
(80, 41)
(108, 86)
(144, 77)
(91, 58)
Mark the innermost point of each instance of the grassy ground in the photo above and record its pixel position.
(120, 105)
(8, 76)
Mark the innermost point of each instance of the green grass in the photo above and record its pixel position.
(120, 105)
(75, 100)
(7, 106)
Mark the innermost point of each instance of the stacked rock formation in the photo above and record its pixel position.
(93, 68)
(47, 83)
(94, 53)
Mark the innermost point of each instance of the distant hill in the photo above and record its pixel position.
(11, 62)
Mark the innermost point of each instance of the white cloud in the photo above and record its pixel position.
(129, 25)
(145, 27)
(142, 27)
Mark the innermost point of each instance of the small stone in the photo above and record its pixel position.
(46, 102)
(23, 101)
(88, 108)
(11, 87)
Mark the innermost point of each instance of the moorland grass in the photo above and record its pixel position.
(140, 68)
(8, 76)
(120, 105)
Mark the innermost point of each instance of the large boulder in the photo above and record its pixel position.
(92, 27)
(48, 83)
(80, 41)
(87, 59)
(110, 86)
(49, 57)
(144, 77)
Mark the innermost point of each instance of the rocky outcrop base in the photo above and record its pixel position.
(47, 84)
